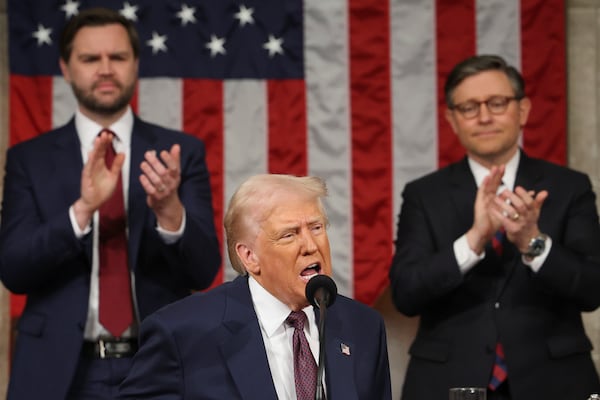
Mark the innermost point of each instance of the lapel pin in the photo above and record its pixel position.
(345, 349)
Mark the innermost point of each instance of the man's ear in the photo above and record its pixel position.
(248, 258)
(524, 109)
(450, 118)
(65, 70)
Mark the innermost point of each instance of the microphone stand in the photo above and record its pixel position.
(319, 395)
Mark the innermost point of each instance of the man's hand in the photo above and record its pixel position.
(519, 212)
(160, 179)
(98, 182)
(485, 224)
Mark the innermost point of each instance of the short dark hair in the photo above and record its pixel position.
(96, 17)
(480, 63)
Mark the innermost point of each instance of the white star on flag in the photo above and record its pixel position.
(216, 45)
(71, 8)
(157, 42)
(42, 35)
(186, 14)
(129, 11)
(245, 15)
(274, 45)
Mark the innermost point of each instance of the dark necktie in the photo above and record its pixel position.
(115, 306)
(305, 367)
(499, 373)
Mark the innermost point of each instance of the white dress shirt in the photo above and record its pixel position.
(277, 337)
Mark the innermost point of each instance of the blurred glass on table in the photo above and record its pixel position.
(468, 393)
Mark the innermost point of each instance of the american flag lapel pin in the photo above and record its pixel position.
(345, 349)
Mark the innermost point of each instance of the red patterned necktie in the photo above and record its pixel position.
(115, 306)
(497, 241)
(305, 367)
(499, 373)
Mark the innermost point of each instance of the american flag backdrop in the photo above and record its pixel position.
(349, 90)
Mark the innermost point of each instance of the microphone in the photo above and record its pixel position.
(321, 292)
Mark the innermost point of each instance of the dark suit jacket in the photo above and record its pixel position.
(41, 257)
(209, 346)
(536, 316)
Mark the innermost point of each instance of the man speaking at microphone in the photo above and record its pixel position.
(257, 337)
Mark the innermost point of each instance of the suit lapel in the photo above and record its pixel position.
(68, 163)
(244, 350)
(339, 371)
(528, 176)
(65, 161)
(142, 139)
(463, 191)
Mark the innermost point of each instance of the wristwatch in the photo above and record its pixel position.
(537, 245)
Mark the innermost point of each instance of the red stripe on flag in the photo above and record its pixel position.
(30, 107)
(203, 118)
(30, 114)
(287, 127)
(371, 145)
(455, 40)
(134, 102)
(544, 70)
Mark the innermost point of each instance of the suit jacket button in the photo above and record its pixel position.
(497, 305)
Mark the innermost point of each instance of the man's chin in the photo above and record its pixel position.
(107, 108)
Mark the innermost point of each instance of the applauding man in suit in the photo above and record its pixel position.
(98, 241)
(498, 254)
(238, 341)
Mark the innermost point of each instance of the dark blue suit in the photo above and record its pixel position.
(209, 346)
(40, 255)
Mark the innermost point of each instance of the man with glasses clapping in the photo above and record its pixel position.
(498, 254)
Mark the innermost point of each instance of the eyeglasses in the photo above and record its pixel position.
(496, 105)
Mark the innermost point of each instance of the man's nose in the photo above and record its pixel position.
(309, 245)
(105, 66)
(484, 113)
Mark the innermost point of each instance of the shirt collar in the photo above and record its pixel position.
(271, 312)
(87, 129)
(510, 171)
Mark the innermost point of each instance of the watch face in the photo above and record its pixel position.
(537, 246)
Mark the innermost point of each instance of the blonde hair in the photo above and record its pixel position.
(252, 202)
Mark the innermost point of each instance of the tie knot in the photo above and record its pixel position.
(110, 133)
(297, 319)
(110, 150)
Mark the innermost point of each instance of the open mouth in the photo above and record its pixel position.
(310, 271)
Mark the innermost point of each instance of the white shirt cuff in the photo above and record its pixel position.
(78, 232)
(465, 257)
(170, 237)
